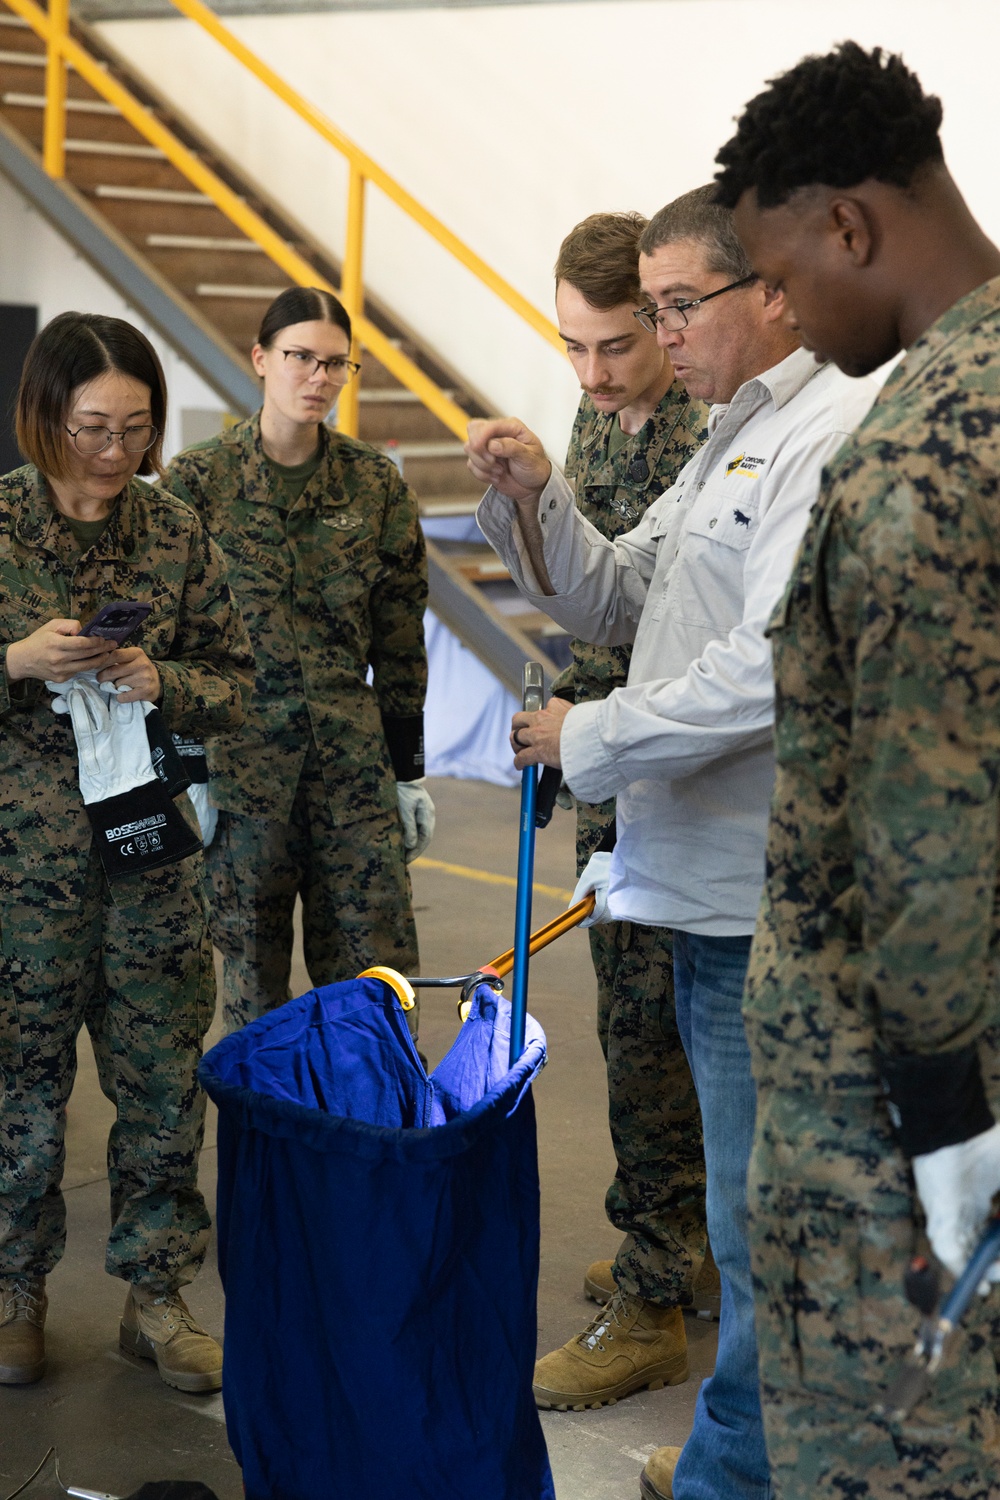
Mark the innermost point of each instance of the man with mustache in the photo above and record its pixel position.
(635, 429)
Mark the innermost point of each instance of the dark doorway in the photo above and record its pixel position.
(18, 326)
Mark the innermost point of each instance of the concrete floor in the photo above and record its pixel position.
(116, 1425)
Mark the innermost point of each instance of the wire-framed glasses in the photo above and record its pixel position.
(95, 439)
(306, 364)
(673, 315)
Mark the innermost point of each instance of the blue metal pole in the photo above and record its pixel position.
(533, 699)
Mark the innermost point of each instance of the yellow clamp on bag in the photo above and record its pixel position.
(401, 988)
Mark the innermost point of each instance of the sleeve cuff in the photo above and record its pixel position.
(404, 736)
(588, 769)
(935, 1100)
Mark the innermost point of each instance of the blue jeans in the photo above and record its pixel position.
(725, 1457)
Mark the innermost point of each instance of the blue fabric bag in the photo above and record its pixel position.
(378, 1242)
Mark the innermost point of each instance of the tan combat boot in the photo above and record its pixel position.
(599, 1285)
(630, 1345)
(656, 1482)
(158, 1326)
(23, 1305)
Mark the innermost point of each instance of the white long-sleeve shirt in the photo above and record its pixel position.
(686, 746)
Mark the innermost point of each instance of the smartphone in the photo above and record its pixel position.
(116, 622)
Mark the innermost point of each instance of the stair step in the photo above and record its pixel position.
(404, 451)
(78, 106)
(199, 242)
(152, 195)
(116, 148)
(14, 21)
(23, 59)
(225, 289)
(378, 394)
(449, 505)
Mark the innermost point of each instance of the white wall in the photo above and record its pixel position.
(38, 267)
(512, 124)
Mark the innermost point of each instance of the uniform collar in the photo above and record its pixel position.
(659, 424)
(974, 308)
(326, 486)
(37, 518)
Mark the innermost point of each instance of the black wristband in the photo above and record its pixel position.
(567, 693)
(936, 1100)
(404, 735)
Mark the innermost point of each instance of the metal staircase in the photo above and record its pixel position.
(185, 265)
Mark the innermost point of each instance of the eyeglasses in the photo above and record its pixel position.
(305, 364)
(96, 439)
(673, 315)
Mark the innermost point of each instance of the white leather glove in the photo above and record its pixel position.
(416, 813)
(135, 824)
(207, 815)
(111, 742)
(595, 878)
(59, 705)
(956, 1186)
(192, 754)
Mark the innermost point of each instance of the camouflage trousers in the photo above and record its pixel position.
(833, 1224)
(657, 1198)
(138, 972)
(356, 903)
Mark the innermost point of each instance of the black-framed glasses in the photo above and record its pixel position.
(306, 364)
(96, 439)
(673, 315)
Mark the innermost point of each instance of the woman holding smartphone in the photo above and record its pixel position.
(127, 956)
(321, 792)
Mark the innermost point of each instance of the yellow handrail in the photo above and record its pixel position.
(360, 162)
(66, 50)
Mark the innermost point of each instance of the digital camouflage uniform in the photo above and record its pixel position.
(133, 960)
(657, 1198)
(877, 938)
(329, 584)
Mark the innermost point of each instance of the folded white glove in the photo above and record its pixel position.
(595, 878)
(59, 705)
(207, 815)
(956, 1186)
(416, 813)
(135, 824)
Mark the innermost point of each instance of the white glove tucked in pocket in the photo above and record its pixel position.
(595, 877)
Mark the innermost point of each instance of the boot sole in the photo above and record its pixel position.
(131, 1341)
(707, 1307)
(672, 1372)
(22, 1374)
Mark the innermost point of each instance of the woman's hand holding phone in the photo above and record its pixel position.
(57, 651)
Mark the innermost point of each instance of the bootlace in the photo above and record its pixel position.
(21, 1299)
(175, 1313)
(613, 1312)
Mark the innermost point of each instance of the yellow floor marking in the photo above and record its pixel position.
(488, 878)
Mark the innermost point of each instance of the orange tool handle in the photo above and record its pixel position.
(546, 935)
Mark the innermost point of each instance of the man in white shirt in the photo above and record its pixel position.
(686, 745)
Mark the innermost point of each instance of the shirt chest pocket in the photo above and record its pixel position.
(23, 607)
(257, 573)
(346, 589)
(727, 515)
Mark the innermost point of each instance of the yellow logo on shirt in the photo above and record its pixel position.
(747, 465)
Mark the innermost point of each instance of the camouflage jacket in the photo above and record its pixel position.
(878, 931)
(329, 586)
(153, 549)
